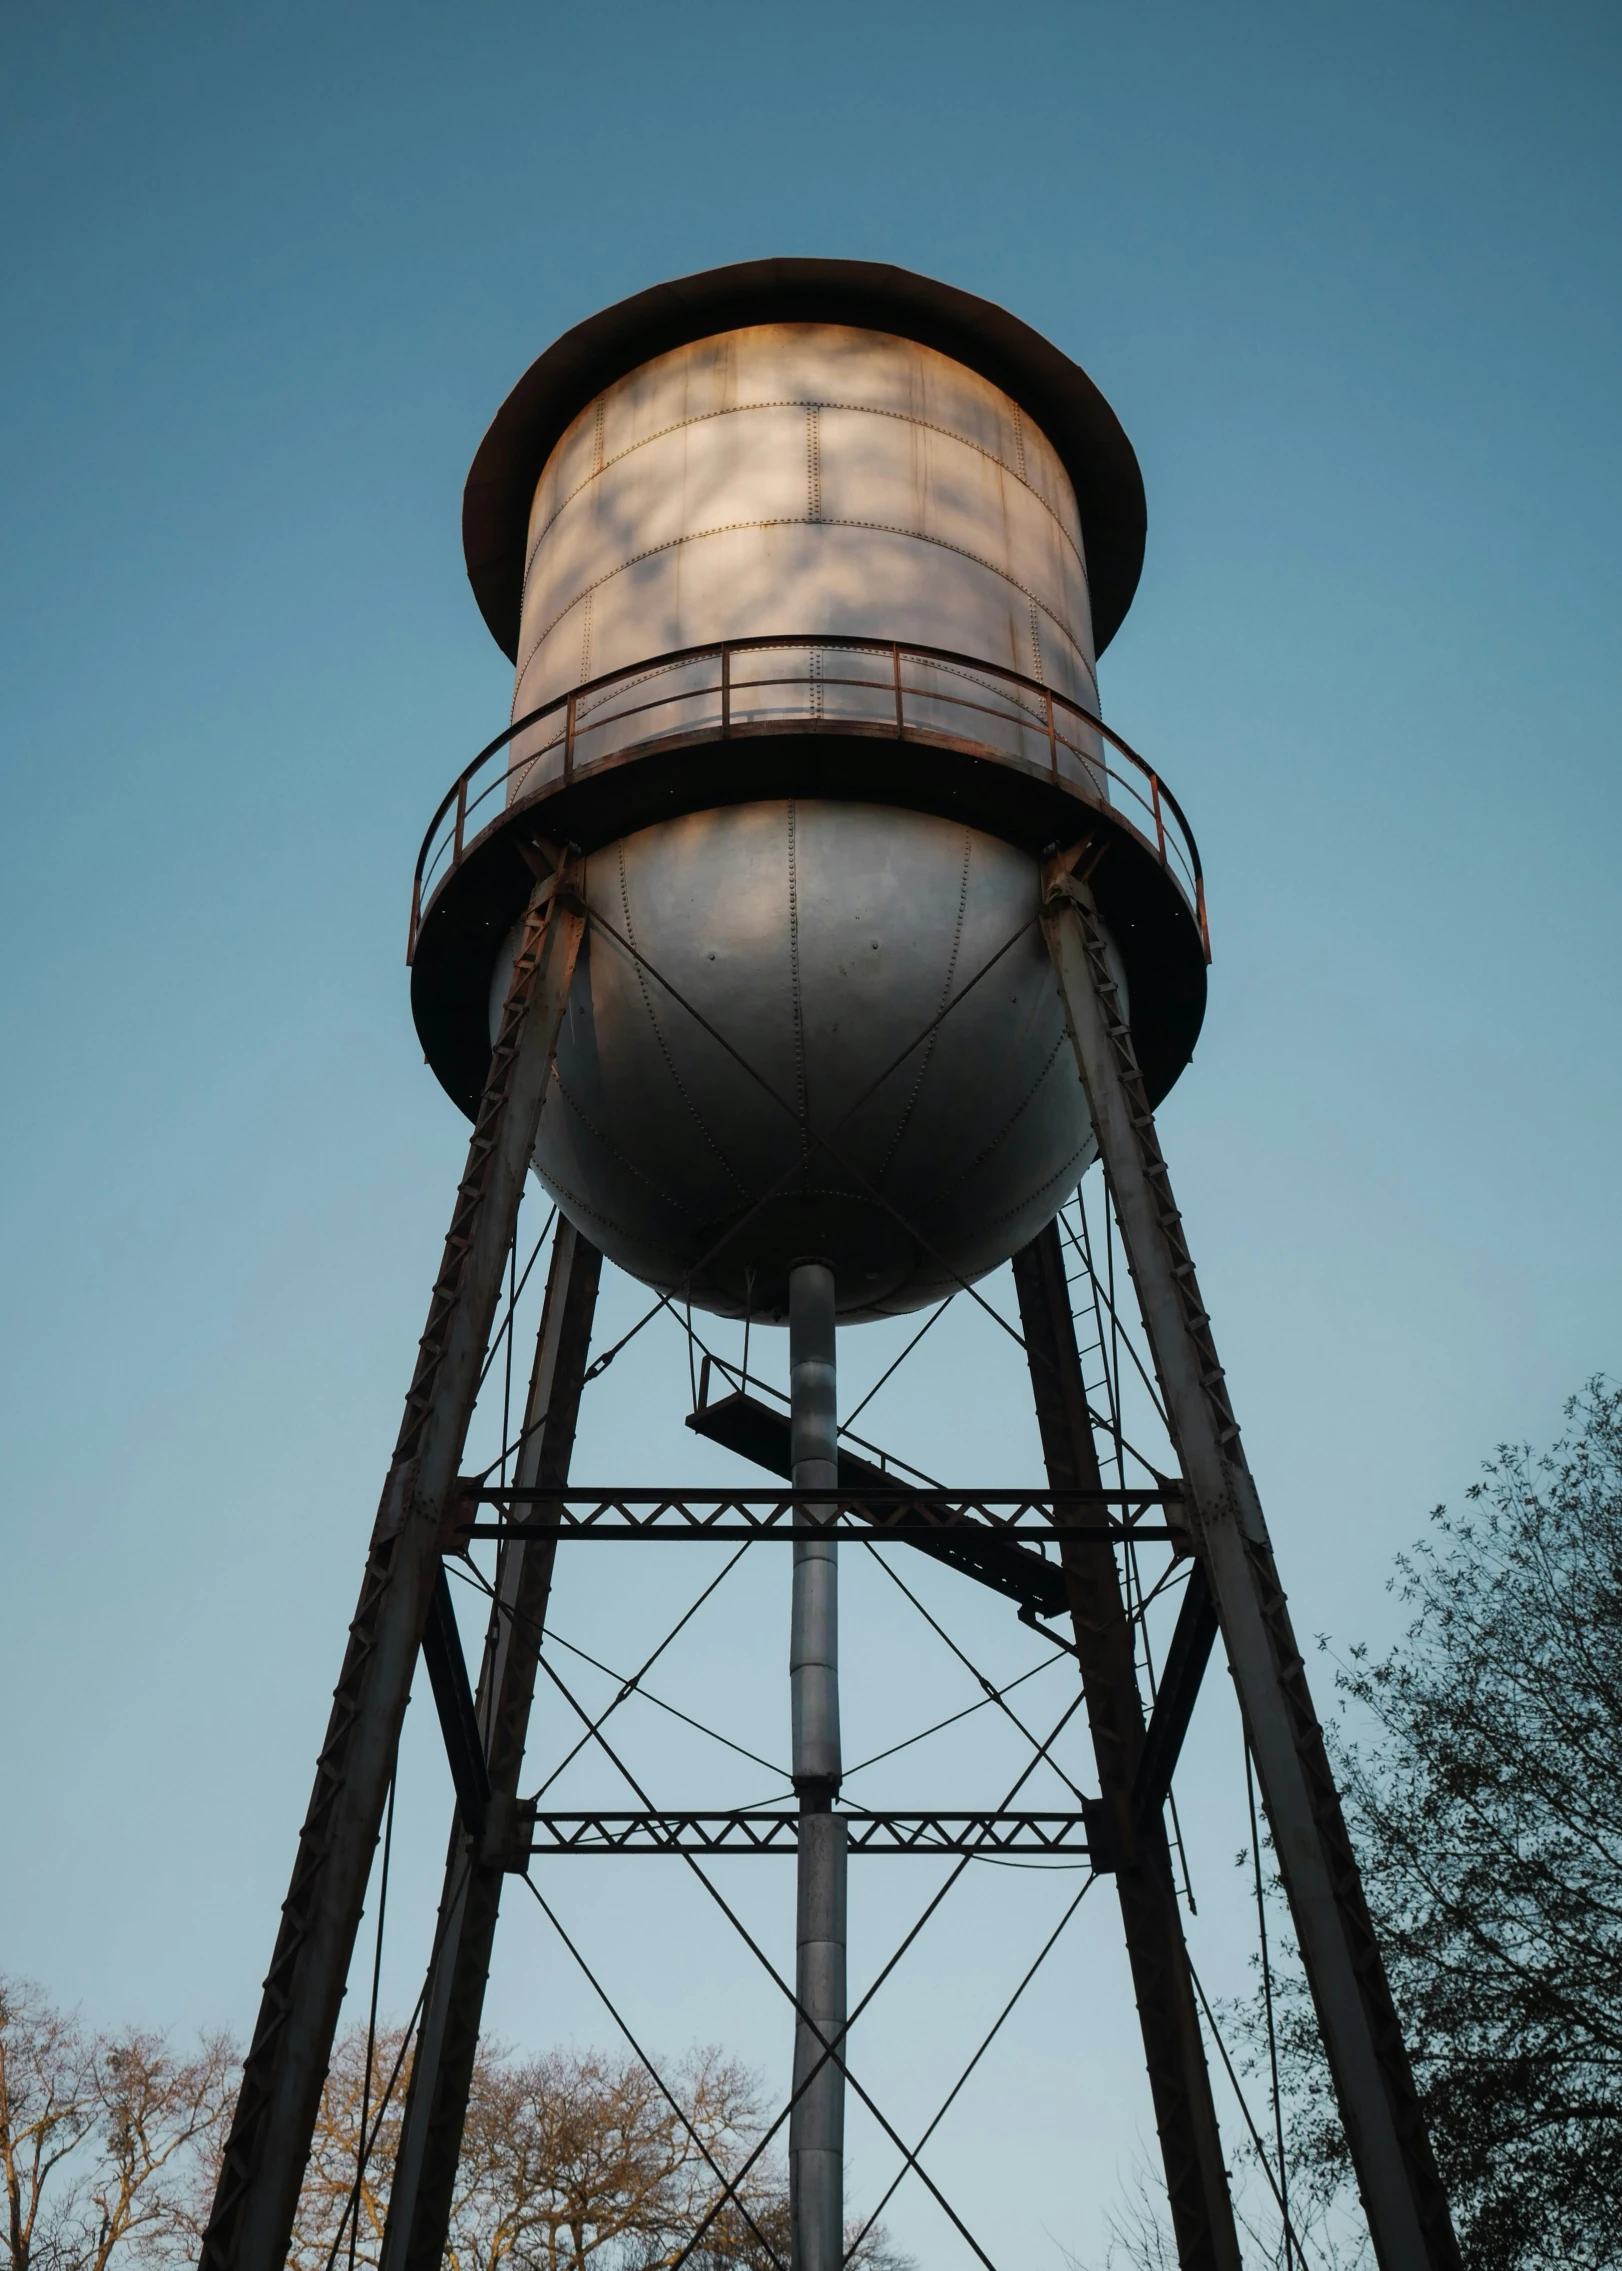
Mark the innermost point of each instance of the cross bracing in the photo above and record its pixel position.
(892, 1503)
(1205, 1496)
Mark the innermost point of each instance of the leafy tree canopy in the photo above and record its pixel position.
(1485, 1798)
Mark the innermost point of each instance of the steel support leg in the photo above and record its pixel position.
(1185, 2115)
(1402, 2193)
(269, 2143)
(816, 2145)
(453, 1998)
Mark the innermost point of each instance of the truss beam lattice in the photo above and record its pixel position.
(1071, 1835)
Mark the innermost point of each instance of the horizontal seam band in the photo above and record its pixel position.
(797, 520)
(865, 409)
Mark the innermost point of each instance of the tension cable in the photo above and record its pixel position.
(729, 2185)
(1267, 2003)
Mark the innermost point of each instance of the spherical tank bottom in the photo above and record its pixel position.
(811, 1029)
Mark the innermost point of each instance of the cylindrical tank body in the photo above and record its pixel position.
(804, 477)
(765, 1056)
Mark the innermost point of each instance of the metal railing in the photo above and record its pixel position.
(694, 695)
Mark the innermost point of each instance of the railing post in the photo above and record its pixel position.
(1160, 825)
(895, 664)
(568, 742)
(461, 819)
(726, 693)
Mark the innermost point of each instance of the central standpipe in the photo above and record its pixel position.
(816, 2137)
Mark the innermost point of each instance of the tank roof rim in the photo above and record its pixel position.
(871, 295)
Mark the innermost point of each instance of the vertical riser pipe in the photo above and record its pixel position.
(817, 2123)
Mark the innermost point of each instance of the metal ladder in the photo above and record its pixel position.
(1402, 2193)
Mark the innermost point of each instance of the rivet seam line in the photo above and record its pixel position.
(602, 464)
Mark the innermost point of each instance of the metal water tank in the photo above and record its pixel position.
(802, 567)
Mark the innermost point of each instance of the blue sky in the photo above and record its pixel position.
(1348, 276)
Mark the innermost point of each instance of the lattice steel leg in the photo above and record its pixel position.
(1185, 2115)
(1402, 2194)
(453, 1998)
(816, 2147)
(265, 2154)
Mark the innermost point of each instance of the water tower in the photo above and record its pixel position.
(809, 936)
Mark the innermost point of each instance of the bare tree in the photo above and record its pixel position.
(1139, 2236)
(577, 2155)
(47, 2110)
(159, 2120)
(102, 2137)
(572, 2160)
(345, 2196)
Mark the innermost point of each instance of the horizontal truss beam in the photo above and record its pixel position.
(1028, 1516)
(719, 1532)
(1074, 1835)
